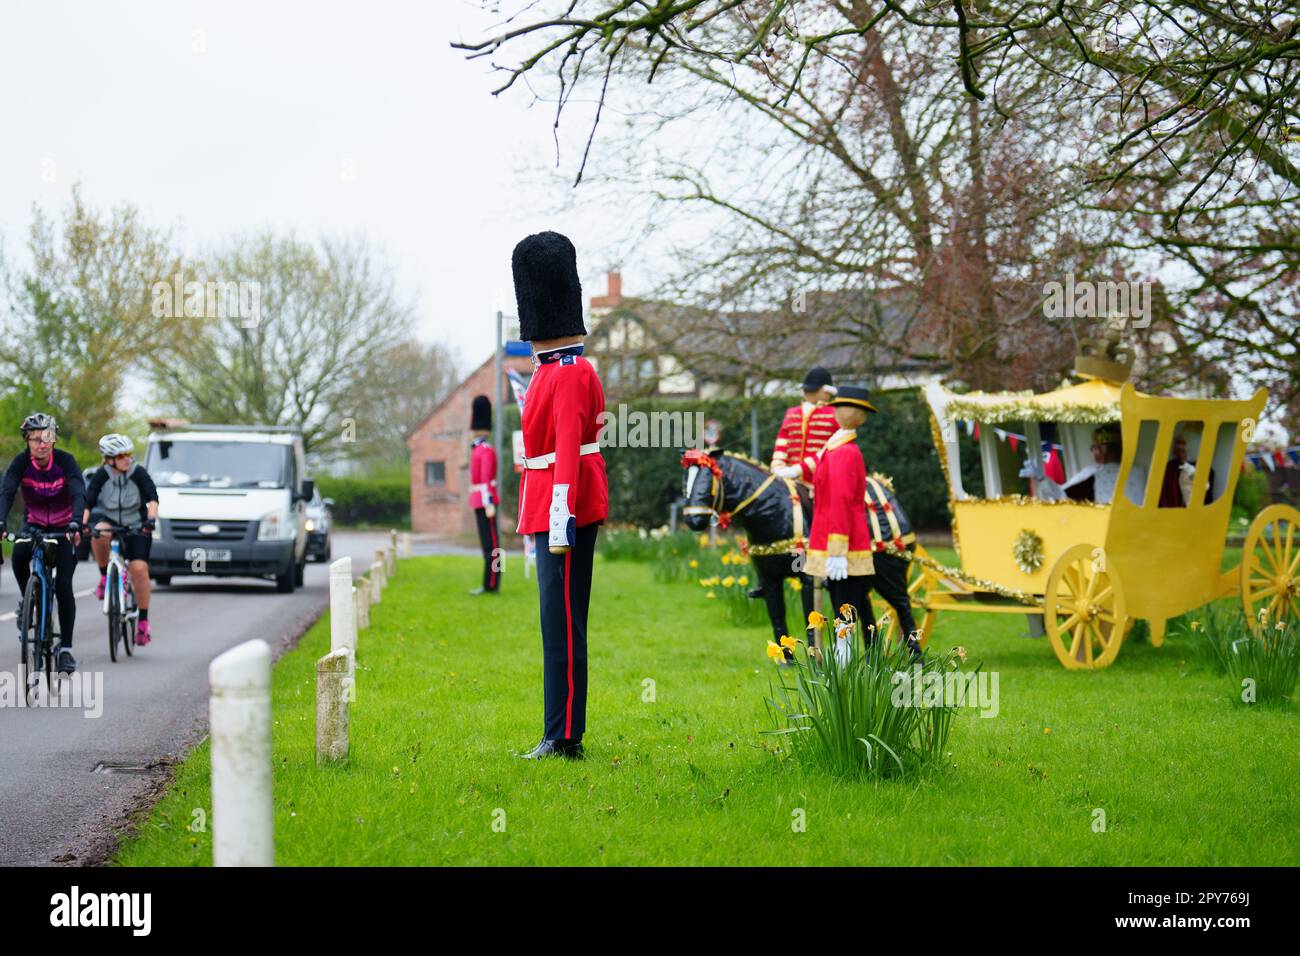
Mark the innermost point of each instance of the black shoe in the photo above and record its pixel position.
(477, 591)
(755, 592)
(67, 663)
(556, 748)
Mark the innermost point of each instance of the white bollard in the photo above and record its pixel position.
(393, 534)
(362, 603)
(332, 697)
(390, 561)
(404, 545)
(382, 561)
(376, 592)
(343, 621)
(243, 821)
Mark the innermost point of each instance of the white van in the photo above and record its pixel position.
(231, 502)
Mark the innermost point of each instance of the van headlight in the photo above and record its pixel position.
(311, 525)
(270, 527)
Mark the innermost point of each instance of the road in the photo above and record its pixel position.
(55, 805)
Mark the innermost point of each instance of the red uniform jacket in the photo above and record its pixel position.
(839, 526)
(804, 431)
(482, 474)
(564, 473)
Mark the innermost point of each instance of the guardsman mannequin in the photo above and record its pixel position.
(839, 542)
(563, 492)
(483, 496)
(805, 429)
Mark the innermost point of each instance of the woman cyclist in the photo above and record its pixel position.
(54, 496)
(122, 493)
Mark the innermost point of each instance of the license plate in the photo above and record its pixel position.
(207, 554)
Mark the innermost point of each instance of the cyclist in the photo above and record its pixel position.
(54, 496)
(122, 493)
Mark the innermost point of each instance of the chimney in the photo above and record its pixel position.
(613, 292)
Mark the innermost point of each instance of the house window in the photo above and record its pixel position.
(435, 473)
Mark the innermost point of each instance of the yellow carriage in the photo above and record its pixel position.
(1086, 569)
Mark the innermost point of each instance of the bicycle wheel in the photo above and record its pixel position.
(129, 618)
(114, 614)
(31, 650)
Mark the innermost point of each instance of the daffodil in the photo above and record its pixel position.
(726, 558)
(1196, 625)
(704, 582)
(847, 611)
(704, 541)
(788, 642)
(842, 628)
(961, 652)
(796, 585)
(710, 595)
(728, 581)
(774, 650)
(816, 619)
(743, 580)
(694, 563)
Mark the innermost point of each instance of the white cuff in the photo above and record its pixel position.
(560, 516)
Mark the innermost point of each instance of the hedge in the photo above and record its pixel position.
(382, 501)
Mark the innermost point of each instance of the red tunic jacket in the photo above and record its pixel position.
(804, 431)
(482, 474)
(839, 526)
(559, 424)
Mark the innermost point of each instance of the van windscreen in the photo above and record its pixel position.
(218, 464)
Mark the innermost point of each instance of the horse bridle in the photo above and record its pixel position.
(722, 519)
(696, 457)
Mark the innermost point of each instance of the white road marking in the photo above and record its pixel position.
(79, 594)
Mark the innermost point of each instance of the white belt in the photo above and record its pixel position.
(483, 487)
(547, 460)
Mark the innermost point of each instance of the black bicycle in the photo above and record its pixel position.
(119, 595)
(39, 638)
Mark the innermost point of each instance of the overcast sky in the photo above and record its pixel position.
(320, 117)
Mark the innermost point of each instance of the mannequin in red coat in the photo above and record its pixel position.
(483, 496)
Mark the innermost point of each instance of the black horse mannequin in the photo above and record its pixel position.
(722, 485)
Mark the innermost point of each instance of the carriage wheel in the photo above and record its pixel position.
(1083, 610)
(1270, 565)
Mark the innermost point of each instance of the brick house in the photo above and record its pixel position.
(439, 448)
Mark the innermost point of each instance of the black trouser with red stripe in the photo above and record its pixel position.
(492, 555)
(564, 585)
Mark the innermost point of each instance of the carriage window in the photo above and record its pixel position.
(1136, 485)
(1225, 442)
(968, 455)
(1179, 471)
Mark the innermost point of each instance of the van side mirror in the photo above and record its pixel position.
(328, 502)
(308, 489)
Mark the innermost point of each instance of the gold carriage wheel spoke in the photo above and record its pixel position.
(1108, 617)
(1074, 638)
(1090, 582)
(1101, 596)
(1069, 587)
(1068, 623)
(1274, 604)
(1275, 546)
(1092, 636)
(1294, 565)
(1286, 550)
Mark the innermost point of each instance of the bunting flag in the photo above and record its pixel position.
(518, 386)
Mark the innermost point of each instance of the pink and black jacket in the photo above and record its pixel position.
(53, 495)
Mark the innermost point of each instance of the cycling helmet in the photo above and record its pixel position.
(112, 445)
(39, 421)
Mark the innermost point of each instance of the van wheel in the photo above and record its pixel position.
(284, 582)
(163, 580)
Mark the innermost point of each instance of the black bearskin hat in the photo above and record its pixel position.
(480, 415)
(547, 290)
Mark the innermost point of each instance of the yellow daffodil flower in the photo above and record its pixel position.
(961, 652)
(774, 650)
(728, 581)
(816, 619)
(796, 585)
(788, 642)
(743, 580)
(710, 595)
(694, 563)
